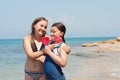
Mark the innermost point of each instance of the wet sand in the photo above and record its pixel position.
(89, 65)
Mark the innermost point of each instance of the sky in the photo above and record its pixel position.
(82, 18)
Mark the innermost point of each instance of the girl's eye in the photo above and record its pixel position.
(53, 31)
(41, 25)
(45, 27)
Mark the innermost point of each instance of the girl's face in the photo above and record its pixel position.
(40, 27)
(55, 32)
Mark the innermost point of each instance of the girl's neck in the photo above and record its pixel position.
(37, 38)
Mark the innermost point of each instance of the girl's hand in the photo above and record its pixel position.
(66, 48)
(47, 50)
(51, 46)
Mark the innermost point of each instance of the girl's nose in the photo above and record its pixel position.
(43, 28)
(51, 33)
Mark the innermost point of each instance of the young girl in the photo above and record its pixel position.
(56, 58)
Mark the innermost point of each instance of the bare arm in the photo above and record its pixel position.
(28, 49)
(62, 60)
(67, 49)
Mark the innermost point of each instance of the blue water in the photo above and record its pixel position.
(12, 56)
(78, 41)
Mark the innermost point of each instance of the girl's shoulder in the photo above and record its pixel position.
(66, 47)
(28, 37)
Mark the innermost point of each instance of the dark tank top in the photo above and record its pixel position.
(53, 70)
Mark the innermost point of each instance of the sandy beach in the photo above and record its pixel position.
(93, 65)
(84, 63)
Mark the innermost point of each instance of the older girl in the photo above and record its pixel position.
(35, 57)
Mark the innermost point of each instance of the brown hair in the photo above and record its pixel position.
(61, 27)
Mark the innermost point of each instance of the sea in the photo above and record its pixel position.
(12, 57)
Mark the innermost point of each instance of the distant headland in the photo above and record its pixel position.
(105, 46)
